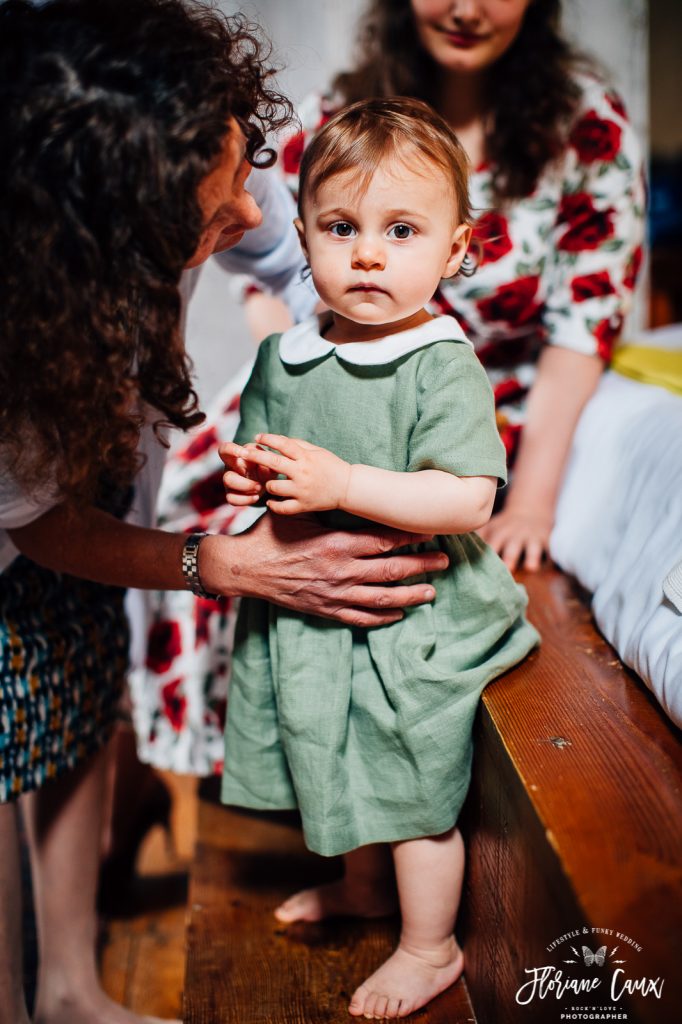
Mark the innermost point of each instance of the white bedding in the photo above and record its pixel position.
(619, 526)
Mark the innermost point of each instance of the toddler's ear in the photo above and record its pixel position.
(300, 230)
(460, 243)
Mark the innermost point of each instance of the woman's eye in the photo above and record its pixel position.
(342, 229)
(401, 232)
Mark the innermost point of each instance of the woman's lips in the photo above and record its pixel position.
(464, 40)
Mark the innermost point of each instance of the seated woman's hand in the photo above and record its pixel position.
(519, 536)
(245, 481)
(317, 480)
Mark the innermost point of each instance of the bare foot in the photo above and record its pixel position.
(97, 1009)
(408, 980)
(339, 899)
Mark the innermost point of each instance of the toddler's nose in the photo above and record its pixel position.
(368, 255)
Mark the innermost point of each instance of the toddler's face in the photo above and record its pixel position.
(377, 256)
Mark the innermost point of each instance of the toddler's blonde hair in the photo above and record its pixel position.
(363, 134)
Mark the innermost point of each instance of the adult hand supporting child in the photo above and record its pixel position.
(351, 577)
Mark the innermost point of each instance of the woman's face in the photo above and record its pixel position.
(228, 209)
(467, 36)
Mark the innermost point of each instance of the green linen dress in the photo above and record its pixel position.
(368, 731)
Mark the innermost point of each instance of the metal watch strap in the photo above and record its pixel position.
(190, 566)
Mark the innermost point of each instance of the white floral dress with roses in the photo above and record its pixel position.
(557, 267)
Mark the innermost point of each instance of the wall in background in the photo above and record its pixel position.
(666, 77)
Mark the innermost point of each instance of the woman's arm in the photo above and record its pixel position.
(295, 563)
(564, 382)
(593, 256)
(428, 501)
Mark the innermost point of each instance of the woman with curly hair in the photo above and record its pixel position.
(129, 128)
(557, 185)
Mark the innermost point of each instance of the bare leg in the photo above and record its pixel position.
(12, 1003)
(64, 822)
(429, 874)
(367, 889)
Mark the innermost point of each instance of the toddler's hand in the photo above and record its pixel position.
(317, 480)
(244, 481)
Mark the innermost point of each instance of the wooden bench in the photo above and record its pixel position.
(573, 821)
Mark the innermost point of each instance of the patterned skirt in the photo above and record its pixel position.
(63, 658)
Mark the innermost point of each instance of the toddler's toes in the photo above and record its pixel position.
(370, 1004)
(358, 1001)
(291, 909)
(379, 1008)
(393, 1008)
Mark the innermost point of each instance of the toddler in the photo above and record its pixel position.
(378, 411)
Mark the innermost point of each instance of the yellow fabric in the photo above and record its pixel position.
(661, 366)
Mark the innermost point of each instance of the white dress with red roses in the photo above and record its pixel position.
(557, 267)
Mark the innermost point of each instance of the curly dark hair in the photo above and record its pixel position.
(111, 114)
(532, 92)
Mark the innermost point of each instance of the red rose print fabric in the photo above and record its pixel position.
(586, 227)
(559, 266)
(513, 304)
(590, 286)
(490, 240)
(596, 138)
(179, 700)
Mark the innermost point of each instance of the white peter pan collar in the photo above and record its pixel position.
(304, 343)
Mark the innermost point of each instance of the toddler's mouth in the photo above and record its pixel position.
(368, 288)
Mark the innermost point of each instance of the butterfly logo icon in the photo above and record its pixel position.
(597, 958)
(589, 958)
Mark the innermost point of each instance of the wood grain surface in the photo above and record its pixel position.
(574, 818)
(243, 966)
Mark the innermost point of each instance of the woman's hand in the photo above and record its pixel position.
(317, 480)
(296, 563)
(245, 481)
(565, 380)
(519, 536)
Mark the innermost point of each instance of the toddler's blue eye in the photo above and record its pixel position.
(342, 229)
(401, 232)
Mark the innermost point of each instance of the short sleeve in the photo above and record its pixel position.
(595, 248)
(455, 429)
(19, 507)
(252, 405)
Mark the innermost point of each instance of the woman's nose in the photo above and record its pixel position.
(250, 212)
(368, 255)
(466, 11)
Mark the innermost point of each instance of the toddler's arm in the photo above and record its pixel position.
(428, 501)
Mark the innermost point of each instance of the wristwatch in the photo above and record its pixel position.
(190, 566)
